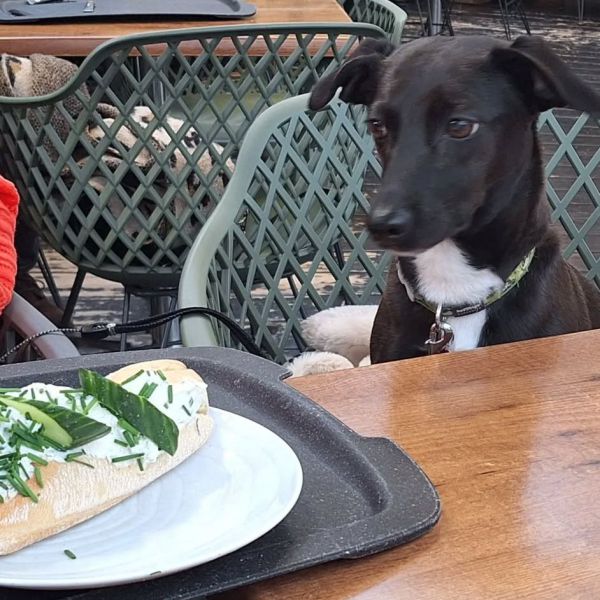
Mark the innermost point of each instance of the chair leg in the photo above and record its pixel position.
(424, 23)
(159, 305)
(504, 16)
(171, 335)
(447, 6)
(125, 316)
(523, 15)
(73, 296)
(49, 278)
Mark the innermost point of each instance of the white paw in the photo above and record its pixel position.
(344, 330)
(311, 363)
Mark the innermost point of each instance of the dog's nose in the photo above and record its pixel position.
(390, 224)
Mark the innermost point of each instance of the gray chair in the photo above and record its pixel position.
(20, 320)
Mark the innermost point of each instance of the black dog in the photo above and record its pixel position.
(462, 199)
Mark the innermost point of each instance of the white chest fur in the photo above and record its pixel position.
(445, 276)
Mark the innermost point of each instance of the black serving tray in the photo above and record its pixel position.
(20, 11)
(360, 495)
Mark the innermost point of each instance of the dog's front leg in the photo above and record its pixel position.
(401, 326)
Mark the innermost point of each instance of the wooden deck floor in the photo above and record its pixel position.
(578, 44)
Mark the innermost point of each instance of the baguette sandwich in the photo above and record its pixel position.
(67, 455)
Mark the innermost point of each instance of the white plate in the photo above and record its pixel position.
(241, 484)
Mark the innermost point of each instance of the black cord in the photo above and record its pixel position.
(102, 330)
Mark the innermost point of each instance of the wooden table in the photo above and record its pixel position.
(78, 39)
(510, 436)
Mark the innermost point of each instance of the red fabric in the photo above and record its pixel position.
(9, 207)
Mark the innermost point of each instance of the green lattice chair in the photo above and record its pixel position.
(383, 13)
(216, 81)
(287, 239)
(571, 150)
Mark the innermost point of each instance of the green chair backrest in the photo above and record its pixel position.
(383, 13)
(134, 219)
(288, 237)
(571, 150)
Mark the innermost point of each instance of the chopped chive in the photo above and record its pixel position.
(127, 427)
(2, 440)
(26, 437)
(130, 379)
(74, 455)
(37, 459)
(38, 476)
(90, 406)
(170, 394)
(140, 464)
(3, 486)
(22, 393)
(82, 462)
(83, 405)
(22, 487)
(73, 399)
(70, 554)
(50, 399)
(187, 410)
(127, 457)
(131, 442)
(50, 443)
(120, 443)
(147, 390)
(161, 375)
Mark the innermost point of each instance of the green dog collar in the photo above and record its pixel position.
(462, 311)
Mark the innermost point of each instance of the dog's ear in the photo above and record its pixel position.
(545, 80)
(358, 76)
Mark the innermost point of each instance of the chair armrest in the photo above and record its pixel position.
(26, 320)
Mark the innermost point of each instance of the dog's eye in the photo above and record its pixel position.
(377, 128)
(460, 128)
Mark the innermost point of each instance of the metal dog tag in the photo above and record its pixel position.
(440, 336)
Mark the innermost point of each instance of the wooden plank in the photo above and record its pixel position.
(510, 435)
